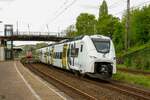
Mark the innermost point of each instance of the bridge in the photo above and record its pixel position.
(10, 36)
(34, 36)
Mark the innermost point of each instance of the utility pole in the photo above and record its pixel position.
(58, 31)
(47, 29)
(127, 35)
(17, 28)
(29, 28)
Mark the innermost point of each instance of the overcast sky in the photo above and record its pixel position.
(58, 14)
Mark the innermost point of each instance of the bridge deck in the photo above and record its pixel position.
(33, 38)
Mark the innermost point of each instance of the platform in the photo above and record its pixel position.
(18, 83)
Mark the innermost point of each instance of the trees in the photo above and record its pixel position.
(40, 45)
(103, 10)
(118, 36)
(71, 31)
(85, 24)
(107, 25)
(140, 26)
(111, 26)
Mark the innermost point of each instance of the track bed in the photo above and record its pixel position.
(85, 88)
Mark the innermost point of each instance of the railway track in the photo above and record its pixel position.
(138, 92)
(112, 85)
(82, 94)
(125, 89)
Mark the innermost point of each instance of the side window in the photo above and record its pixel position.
(74, 52)
(56, 55)
(45, 54)
(81, 48)
(60, 55)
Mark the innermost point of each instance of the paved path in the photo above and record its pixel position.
(18, 83)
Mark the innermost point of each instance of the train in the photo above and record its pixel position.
(29, 54)
(87, 55)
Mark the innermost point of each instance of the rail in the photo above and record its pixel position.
(87, 96)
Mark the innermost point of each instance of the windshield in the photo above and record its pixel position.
(102, 46)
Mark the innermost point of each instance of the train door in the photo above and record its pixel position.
(46, 53)
(71, 55)
(81, 56)
(64, 56)
(74, 56)
(52, 54)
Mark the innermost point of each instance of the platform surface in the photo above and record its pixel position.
(18, 83)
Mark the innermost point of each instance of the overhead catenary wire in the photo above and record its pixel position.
(114, 4)
(141, 4)
(67, 7)
(57, 13)
(64, 3)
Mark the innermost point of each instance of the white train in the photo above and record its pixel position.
(93, 55)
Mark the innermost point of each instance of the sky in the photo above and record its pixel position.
(57, 14)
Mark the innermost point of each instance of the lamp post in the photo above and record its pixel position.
(1, 21)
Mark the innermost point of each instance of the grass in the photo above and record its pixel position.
(121, 66)
(134, 68)
(133, 79)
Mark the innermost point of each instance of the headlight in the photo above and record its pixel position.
(93, 57)
(114, 58)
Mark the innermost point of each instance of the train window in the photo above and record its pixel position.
(60, 55)
(74, 52)
(102, 46)
(81, 49)
(56, 55)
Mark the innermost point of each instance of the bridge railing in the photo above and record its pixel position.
(23, 33)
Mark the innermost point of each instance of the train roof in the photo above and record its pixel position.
(100, 36)
(78, 38)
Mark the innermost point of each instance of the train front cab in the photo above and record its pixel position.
(101, 57)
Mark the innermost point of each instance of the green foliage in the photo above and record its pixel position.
(106, 25)
(109, 25)
(118, 37)
(103, 10)
(139, 26)
(85, 24)
(70, 31)
(138, 58)
(40, 45)
(71, 34)
(133, 79)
